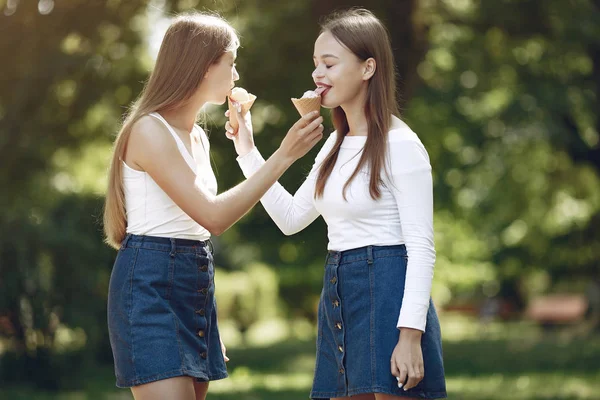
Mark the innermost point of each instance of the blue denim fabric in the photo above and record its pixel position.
(358, 313)
(162, 315)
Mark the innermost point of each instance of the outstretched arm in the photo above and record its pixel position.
(156, 153)
(290, 213)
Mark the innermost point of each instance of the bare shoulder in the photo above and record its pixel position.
(150, 133)
(149, 143)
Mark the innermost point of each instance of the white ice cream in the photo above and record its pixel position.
(310, 94)
(240, 95)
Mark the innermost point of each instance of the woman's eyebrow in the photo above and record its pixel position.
(326, 56)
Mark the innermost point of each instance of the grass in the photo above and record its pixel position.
(498, 362)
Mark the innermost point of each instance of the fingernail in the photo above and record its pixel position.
(400, 386)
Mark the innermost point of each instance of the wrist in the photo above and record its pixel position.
(286, 159)
(242, 151)
(410, 334)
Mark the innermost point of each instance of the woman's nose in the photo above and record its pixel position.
(317, 73)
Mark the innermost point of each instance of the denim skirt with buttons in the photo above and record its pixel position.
(358, 314)
(162, 315)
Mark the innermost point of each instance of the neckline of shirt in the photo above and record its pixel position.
(358, 142)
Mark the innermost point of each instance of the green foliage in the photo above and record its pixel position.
(504, 95)
(249, 295)
(481, 363)
(72, 69)
(507, 110)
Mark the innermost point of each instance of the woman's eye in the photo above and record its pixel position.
(328, 66)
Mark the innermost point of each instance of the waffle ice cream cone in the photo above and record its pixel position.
(246, 101)
(310, 101)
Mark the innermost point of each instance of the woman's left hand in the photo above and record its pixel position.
(224, 350)
(407, 358)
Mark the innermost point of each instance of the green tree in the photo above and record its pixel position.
(503, 94)
(69, 70)
(508, 109)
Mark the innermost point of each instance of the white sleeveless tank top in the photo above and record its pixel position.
(150, 211)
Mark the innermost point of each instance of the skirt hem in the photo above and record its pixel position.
(378, 389)
(171, 374)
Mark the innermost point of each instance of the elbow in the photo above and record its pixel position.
(287, 231)
(216, 228)
(288, 226)
(217, 231)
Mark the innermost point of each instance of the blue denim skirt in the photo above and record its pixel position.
(358, 313)
(162, 314)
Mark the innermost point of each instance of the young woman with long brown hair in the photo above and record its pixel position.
(378, 332)
(162, 207)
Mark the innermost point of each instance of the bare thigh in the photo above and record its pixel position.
(367, 396)
(178, 388)
(383, 396)
(373, 396)
(201, 388)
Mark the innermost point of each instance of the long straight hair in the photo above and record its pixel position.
(192, 43)
(365, 36)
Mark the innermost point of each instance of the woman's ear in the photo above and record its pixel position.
(369, 68)
(209, 70)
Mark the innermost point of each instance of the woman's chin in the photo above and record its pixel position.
(219, 102)
(329, 105)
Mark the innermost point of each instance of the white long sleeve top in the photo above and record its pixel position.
(402, 215)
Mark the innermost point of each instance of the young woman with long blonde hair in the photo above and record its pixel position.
(162, 207)
(378, 333)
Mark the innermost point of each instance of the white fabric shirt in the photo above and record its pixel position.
(150, 211)
(403, 214)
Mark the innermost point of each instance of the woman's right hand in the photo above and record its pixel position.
(302, 136)
(243, 139)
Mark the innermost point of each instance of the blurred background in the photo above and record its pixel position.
(505, 96)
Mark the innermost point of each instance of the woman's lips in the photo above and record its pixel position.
(322, 90)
